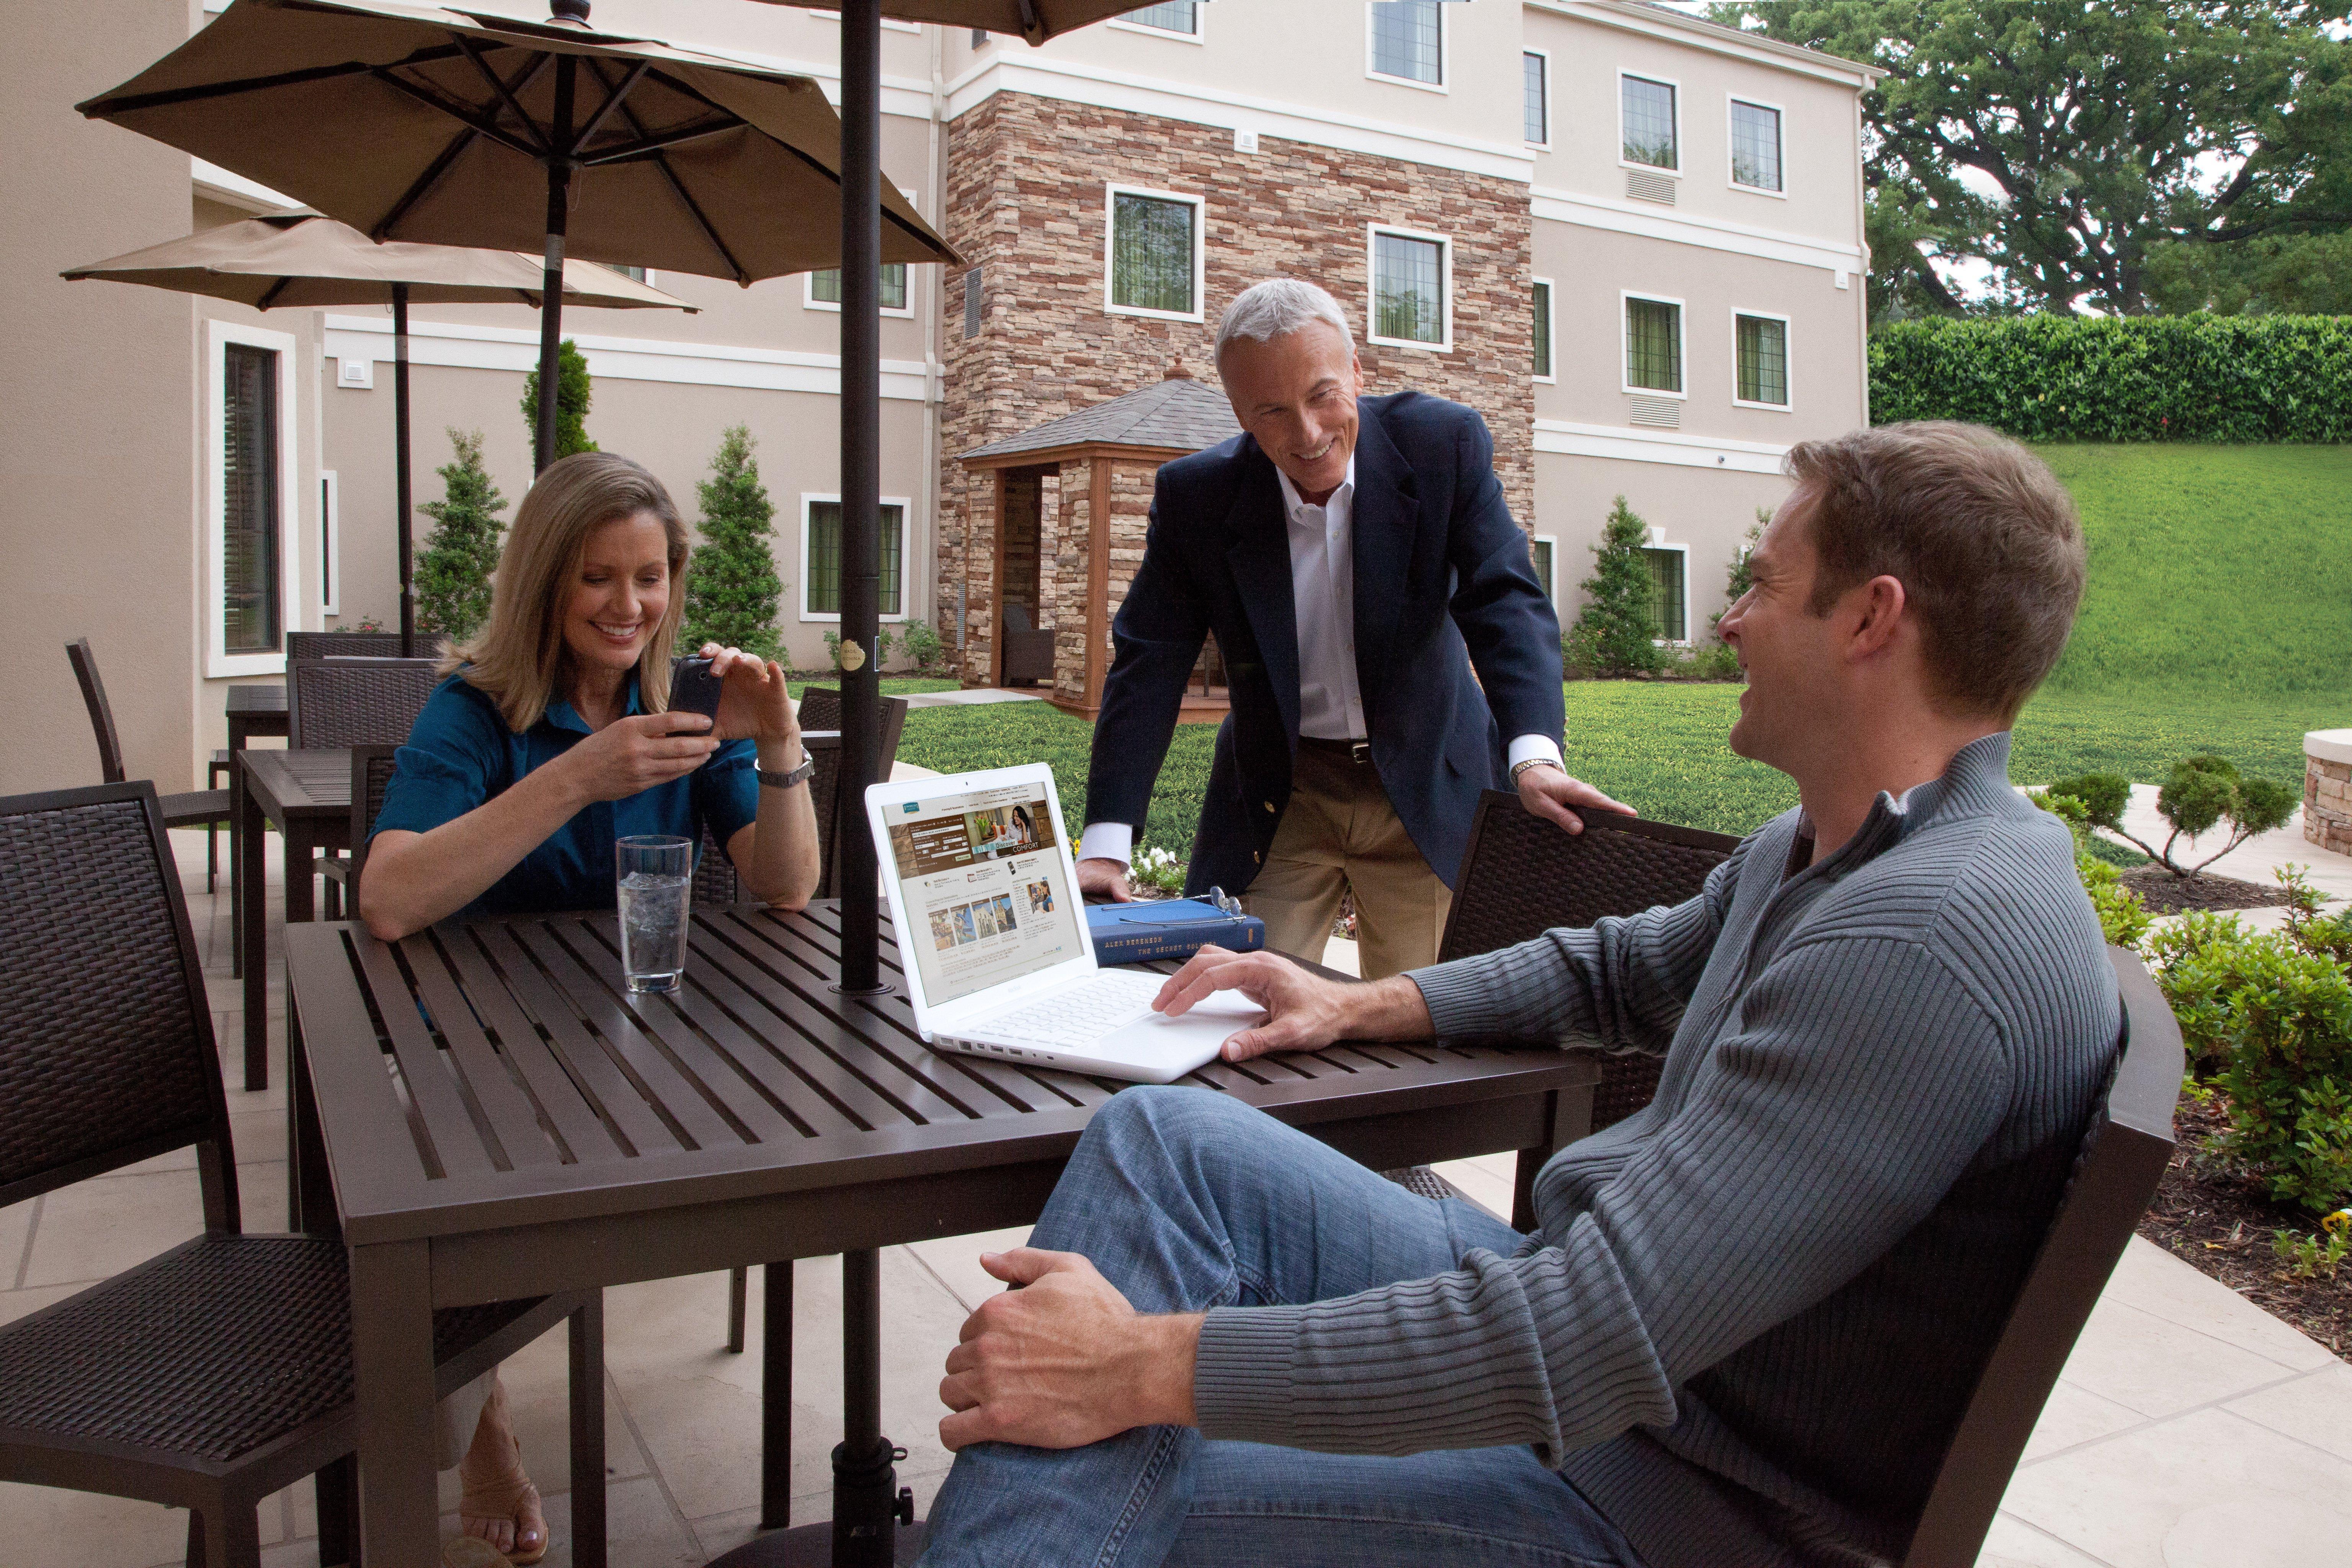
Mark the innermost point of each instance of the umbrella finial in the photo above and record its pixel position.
(573, 13)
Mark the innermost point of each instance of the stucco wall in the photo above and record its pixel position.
(1708, 511)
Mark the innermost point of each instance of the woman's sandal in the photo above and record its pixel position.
(509, 1498)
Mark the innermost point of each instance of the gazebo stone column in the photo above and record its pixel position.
(2327, 789)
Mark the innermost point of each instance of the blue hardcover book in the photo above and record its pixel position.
(1169, 927)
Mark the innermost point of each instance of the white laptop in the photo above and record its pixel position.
(993, 940)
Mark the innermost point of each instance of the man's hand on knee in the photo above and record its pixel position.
(1064, 1361)
(1305, 1012)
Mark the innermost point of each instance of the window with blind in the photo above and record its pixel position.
(1653, 345)
(824, 288)
(1647, 121)
(1409, 40)
(251, 615)
(1177, 17)
(1755, 146)
(1154, 253)
(636, 274)
(1543, 551)
(1536, 68)
(1408, 288)
(1666, 593)
(821, 565)
(1542, 312)
(1762, 343)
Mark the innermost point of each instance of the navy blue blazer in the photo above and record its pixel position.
(1444, 584)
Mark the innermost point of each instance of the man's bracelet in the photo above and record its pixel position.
(1522, 766)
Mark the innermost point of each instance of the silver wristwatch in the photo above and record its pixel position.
(798, 775)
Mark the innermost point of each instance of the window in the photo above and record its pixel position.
(1755, 146)
(1666, 583)
(1762, 351)
(1647, 122)
(972, 297)
(1409, 40)
(331, 548)
(1152, 256)
(635, 273)
(1410, 285)
(251, 618)
(824, 289)
(1537, 68)
(1543, 330)
(821, 559)
(1653, 345)
(1176, 17)
(1545, 546)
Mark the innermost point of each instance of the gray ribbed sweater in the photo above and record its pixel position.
(1752, 1314)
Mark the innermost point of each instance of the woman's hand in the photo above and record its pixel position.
(752, 704)
(631, 755)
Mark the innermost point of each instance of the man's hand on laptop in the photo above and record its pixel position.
(1306, 1011)
(1104, 880)
(1064, 1361)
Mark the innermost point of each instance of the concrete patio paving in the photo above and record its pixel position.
(2191, 1429)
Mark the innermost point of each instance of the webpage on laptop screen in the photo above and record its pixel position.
(983, 886)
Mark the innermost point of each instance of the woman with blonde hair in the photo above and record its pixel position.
(549, 739)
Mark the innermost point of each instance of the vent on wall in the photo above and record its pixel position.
(1647, 188)
(1665, 413)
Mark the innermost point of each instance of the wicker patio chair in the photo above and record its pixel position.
(372, 769)
(206, 808)
(346, 645)
(1522, 876)
(356, 702)
(218, 1372)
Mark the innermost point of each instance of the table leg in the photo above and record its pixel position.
(253, 905)
(236, 859)
(776, 1398)
(309, 1187)
(1570, 1114)
(302, 908)
(392, 1385)
(587, 1340)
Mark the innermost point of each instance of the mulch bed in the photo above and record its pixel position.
(2166, 894)
(2222, 1225)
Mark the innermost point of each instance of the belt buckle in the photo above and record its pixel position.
(1360, 752)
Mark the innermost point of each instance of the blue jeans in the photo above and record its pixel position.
(1186, 1200)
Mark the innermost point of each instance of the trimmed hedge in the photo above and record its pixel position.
(2086, 378)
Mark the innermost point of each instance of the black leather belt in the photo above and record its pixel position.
(1357, 751)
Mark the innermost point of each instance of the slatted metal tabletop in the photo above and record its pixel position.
(307, 797)
(487, 1113)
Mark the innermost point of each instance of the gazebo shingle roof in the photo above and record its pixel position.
(1177, 414)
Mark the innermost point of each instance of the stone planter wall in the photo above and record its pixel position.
(2327, 789)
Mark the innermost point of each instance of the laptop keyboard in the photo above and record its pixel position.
(1082, 1015)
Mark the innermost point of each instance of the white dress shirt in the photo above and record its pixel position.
(1323, 602)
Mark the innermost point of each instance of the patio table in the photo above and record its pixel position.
(543, 1130)
(307, 797)
(252, 710)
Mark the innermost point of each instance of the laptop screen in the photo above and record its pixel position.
(982, 885)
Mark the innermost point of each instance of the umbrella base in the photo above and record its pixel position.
(811, 1546)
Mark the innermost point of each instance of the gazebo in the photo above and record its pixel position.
(1052, 542)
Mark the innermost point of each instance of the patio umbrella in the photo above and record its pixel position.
(302, 259)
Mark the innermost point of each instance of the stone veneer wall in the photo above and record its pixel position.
(2328, 804)
(1025, 201)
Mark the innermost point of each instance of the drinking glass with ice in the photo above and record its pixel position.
(654, 873)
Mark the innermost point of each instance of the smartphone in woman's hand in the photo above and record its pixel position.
(693, 688)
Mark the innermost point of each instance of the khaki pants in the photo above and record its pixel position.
(1339, 833)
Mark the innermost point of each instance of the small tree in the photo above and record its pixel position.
(1615, 634)
(2199, 792)
(732, 591)
(452, 576)
(1739, 579)
(573, 394)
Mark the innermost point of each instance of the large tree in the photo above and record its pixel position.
(2100, 130)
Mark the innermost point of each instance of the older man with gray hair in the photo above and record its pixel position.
(1356, 560)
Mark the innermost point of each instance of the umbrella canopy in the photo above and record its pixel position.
(293, 261)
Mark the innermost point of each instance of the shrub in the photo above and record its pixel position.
(2200, 792)
(2083, 378)
(452, 576)
(924, 646)
(1615, 634)
(732, 590)
(2123, 916)
(1740, 577)
(573, 394)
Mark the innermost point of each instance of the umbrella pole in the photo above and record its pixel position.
(403, 495)
(550, 304)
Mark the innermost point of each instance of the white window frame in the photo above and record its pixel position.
(809, 302)
(1788, 354)
(1625, 341)
(1552, 540)
(1680, 141)
(331, 542)
(1552, 333)
(1444, 243)
(809, 500)
(1200, 205)
(1658, 542)
(1200, 27)
(1544, 54)
(1445, 82)
(1730, 147)
(219, 663)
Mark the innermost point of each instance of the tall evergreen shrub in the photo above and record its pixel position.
(732, 590)
(573, 394)
(1615, 634)
(452, 576)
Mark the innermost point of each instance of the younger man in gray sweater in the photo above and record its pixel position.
(1751, 1315)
